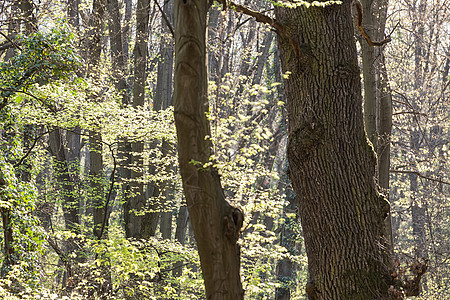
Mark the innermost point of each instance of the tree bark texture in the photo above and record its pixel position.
(332, 165)
(215, 222)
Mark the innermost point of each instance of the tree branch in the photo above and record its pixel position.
(359, 19)
(32, 146)
(262, 18)
(165, 18)
(6, 45)
(11, 41)
(420, 175)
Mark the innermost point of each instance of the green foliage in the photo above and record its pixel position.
(18, 201)
(41, 59)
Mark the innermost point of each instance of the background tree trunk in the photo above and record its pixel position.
(138, 225)
(377, 96)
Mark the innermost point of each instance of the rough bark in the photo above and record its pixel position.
(215, 222)
(332, 165)
(384, 130)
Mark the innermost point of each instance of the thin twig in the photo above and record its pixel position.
(420, 175)
(410, 112)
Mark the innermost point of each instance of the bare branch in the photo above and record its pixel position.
(11, 41)
(262, 18)
(420, 175)
(359, 19)
(165, 18)
(410, 112)
(32, 146)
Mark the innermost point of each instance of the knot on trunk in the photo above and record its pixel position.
(233, 224)
(304, 141)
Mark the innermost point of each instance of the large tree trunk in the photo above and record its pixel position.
(215, 222)
(332, 165)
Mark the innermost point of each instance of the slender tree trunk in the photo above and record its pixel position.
(417, 206)
(73, 13)
(13, 27)
(215, 222)
(332, 166)
(119, 57)
(137, 225)
(30, 23)
(96, 175)
(180, 236)
(8, 240)
(95, 137)
(369, 60)
(163, 100)
(377, 97)
(70, 203)
(286, 267)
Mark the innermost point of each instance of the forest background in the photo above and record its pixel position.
(92, 203)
